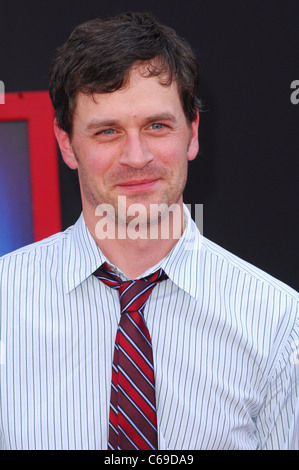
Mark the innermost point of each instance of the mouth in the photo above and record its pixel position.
(138, 185)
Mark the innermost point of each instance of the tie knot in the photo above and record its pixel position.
(133, 294)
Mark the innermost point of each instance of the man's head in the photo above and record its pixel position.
(99, 55)
(124, 91)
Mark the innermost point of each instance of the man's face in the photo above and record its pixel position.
(134, 142)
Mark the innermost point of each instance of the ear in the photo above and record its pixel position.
(193, 142)
(66, 149)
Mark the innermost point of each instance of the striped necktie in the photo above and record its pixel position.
(132, 417)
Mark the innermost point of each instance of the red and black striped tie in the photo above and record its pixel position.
(132, 419)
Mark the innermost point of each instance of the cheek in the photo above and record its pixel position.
(168, 151)
(174, 155)
(95, 161)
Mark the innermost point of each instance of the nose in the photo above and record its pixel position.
(136, 153)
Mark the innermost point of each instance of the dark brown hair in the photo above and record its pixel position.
(100, 53)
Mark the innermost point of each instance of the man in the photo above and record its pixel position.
(222, 335)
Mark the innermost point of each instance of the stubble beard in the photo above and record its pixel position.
(170, 196)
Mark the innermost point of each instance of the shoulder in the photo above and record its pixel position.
(245, 269)
(264, 306)
(35, 254)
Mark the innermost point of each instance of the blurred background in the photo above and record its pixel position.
(246, 174)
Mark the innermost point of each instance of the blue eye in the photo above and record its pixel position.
(108, 131)
(157, 125)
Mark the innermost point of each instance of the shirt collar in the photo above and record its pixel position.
(83, 257)
(182, 263)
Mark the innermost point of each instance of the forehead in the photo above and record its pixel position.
(142, 95)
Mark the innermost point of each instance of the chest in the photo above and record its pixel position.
(55, 382)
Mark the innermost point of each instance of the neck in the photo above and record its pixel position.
(134, 250)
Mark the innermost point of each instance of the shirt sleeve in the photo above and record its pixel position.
(278, 421)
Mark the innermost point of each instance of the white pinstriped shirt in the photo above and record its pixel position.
(225, 344)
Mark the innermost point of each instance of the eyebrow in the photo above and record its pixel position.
(162, 117)
(96, 123)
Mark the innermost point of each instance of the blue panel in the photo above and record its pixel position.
(16, 221)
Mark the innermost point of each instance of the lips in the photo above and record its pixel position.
(141, 185)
